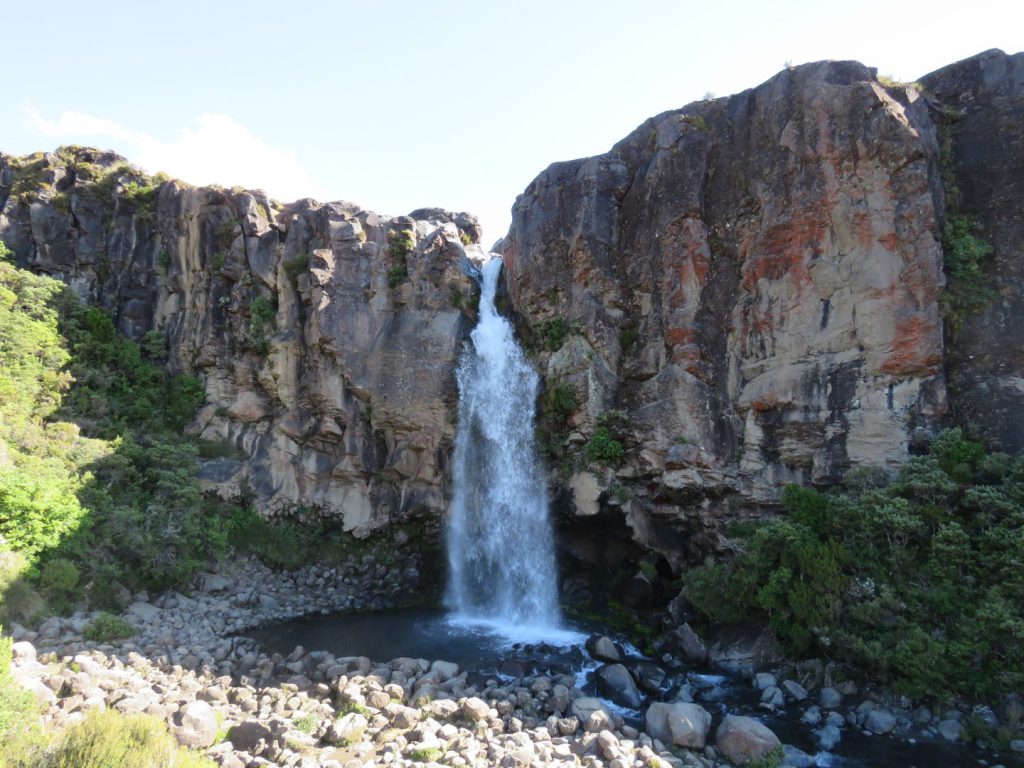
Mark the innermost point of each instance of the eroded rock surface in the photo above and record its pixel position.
(755, 284)
(325, 335)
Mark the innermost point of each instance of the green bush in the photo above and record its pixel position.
(967, 289)
(262, 320)
(106, 628)
(59, 575)
(401, 243)
(397, 276)
(18, 710)
(918, 580)
(106, 739)
(605, 449)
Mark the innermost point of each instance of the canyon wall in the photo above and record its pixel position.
(743, 293)
(326, 336)
(752, 287)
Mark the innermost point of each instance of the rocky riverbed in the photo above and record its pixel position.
(190, 665)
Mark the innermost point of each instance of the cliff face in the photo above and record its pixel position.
(326, 335)
(746, 292)
(983, 156)
(755, 282)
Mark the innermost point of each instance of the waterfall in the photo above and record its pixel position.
(500, 552)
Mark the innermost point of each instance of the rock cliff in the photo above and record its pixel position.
(752, 286)
(325, 335)
(743, 293)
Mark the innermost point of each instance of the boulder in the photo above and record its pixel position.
(742, 740)
(830, 698)
(684, 725)
(692, 647)
(602, 648)
(196, 725)
(346, 729)
(879, 721)
(615, 682)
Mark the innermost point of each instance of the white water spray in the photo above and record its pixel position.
(500, 551)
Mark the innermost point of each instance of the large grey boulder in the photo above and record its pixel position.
(690, 644)
(196, 725)
(615, 682)
(684, 725)
(743, 740)
(602, 648)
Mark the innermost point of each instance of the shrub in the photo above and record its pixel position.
(401, 243)
(59, 575)
(964, 252)
(106, 628)
(262, 319)
(397, 276)
(306, 723)
(18, 711)
(918, 580)
(106, 739)
(604, 449)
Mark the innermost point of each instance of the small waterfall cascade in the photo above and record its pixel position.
(500, 550)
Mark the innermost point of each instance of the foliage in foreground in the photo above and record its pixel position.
(920, 579)
(105, 739)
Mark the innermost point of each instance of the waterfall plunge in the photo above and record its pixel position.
(499, 537)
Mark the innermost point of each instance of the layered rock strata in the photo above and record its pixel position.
(744, 293)
(751, 286)
(325, 335)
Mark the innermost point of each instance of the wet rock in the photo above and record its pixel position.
(615, 682)
(649, 676)
(950, 730)
(880, 721)
(828, 737)
(691, 645)
(602, 648)
(797, 758)
(773, 698)
(794, 690)
(829, 698)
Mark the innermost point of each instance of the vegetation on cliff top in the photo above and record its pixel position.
(919, 579)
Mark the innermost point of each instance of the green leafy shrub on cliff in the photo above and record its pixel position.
(918, 580)
(97, 484)
(964, 252)
(401, 243)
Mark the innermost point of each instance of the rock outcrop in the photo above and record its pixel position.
(751, 287)
(325, 335)
(983, 160)
(743, 293)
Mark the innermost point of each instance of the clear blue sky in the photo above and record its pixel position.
(398, 105)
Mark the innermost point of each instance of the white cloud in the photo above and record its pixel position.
(211, 149)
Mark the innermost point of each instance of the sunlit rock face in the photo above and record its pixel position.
(326, 335)
(756, 282)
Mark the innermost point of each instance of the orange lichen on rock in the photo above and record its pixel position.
(916, 347)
